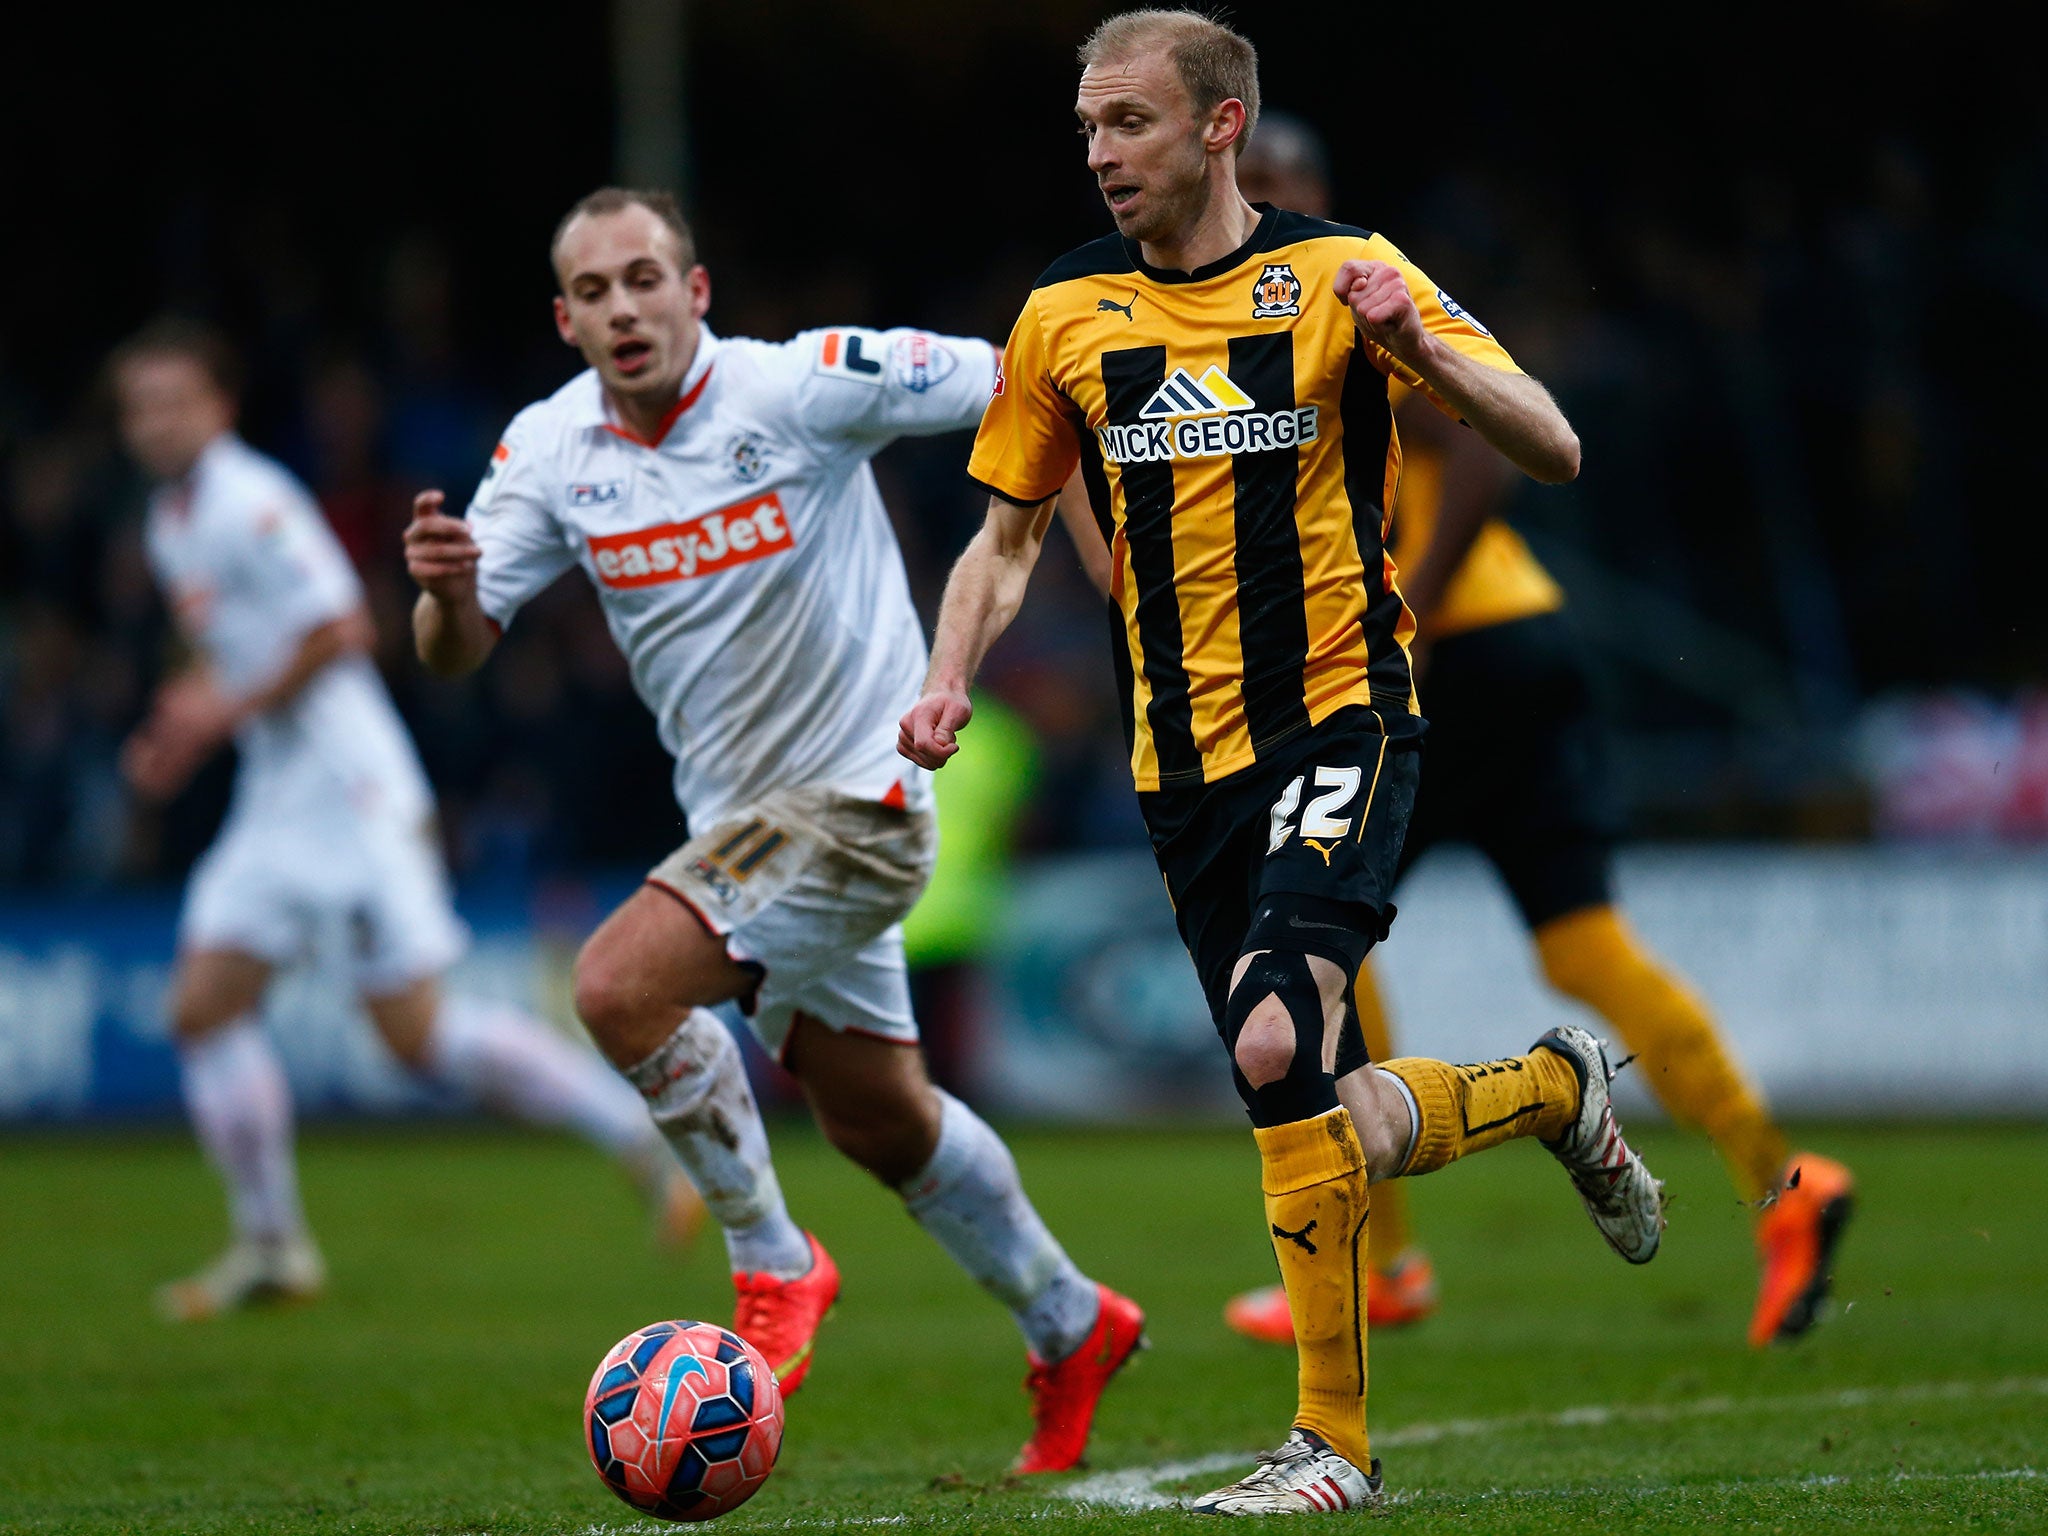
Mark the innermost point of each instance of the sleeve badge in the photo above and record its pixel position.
(1458, 311)
(917, 361)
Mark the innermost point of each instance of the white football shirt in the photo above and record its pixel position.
(250, 567)
(743, 558)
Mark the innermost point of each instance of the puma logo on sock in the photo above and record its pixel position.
(1300, 1239)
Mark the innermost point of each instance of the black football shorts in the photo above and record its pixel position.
(1324, 816)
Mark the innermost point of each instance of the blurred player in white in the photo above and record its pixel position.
(717, 495)
(331, 825)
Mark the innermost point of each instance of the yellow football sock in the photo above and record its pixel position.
(1313, 1173)
(1594, 956)
(1389, 1201)
(1466, 1109)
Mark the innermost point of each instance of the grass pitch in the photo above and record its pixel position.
(478, 1276)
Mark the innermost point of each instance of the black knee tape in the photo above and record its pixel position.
(1306, 1090)
(1342, 932)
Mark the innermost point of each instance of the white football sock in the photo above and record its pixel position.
(241, 1108)
(696, 1088)
(515, 1064)
(970, 1199)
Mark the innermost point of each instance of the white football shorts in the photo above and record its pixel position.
(271, 887)
(809, 887)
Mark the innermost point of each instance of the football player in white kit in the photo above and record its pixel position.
(331, 825)
(717, 494)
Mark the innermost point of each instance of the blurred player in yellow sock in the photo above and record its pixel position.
(1514, 768)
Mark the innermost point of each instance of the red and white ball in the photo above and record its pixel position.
(683, 1420)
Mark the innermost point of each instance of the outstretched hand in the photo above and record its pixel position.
(1383, 307)
(927, 734)
(440, 554)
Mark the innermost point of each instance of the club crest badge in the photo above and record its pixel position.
(747, 456)
(1277, 292)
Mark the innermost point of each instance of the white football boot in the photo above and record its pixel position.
(252, 1271)
(1303, 1477)
(1626, 1204)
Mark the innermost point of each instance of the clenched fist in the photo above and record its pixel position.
(926, 735)
(1384, 308)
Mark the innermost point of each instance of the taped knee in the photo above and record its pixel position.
(1276, 1007)
(1342, 932)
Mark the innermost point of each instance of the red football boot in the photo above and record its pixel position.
(780, 1317)
(1064, 1393)
(1795, 1243)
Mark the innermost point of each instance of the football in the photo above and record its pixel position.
(683, 1420)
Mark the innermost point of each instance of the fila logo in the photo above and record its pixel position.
(601, 494)
(747, 530)
(1183, 395)
(499, 457)
(851, 354)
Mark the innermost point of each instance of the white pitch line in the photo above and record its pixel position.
(1137, 1488)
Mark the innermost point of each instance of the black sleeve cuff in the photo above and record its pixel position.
(1011, 496)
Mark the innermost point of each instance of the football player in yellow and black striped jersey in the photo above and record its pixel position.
(1219, 373)
(1516, 769)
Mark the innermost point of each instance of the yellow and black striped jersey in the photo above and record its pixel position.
(1498, 581)
(1234, 432)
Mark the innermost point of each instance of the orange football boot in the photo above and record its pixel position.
(1402, 1293)
(781, 1317)
(1064, 1393)
(1795, 1242)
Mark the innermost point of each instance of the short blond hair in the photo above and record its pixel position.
(1215, 64)
(604, 200)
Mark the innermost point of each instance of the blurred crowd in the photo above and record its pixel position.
(1804, 490)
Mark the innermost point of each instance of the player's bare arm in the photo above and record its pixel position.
(449, 629)
(982, 596)
(1512, 411)
(193, 716)
(1475, 485)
